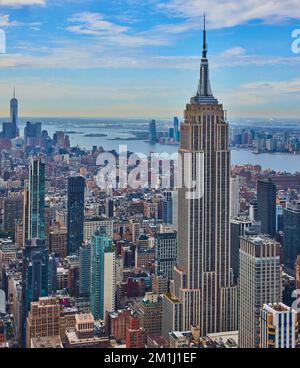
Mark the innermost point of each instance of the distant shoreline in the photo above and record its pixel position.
(125, 139)
(95, 135)
(296, 153)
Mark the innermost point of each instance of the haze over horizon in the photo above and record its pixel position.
(159, 119)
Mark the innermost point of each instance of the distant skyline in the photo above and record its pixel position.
(112, 58)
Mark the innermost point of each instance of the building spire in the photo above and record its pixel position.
(204, 94)
(14, 92)
(204, 48)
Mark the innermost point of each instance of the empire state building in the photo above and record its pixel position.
(202, 293)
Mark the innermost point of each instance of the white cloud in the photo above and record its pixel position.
(97, 54)
(263, 94)
(178, 28)
(5, 21)
(275, 87)
(234, 51)
(228, 13)
(237, 57)
(93, 24)
(17, 3)
(76, 58)
(270, 98)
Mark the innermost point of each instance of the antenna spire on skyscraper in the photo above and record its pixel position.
(204, 48)
(204, 93)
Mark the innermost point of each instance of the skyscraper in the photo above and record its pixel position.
(259, 283)
(168, 208)
(32, 134)
(25, 216)
(176, 129)
(85, 270)
(234, 197)
(135, 229)
(171, 133)
(103, 274)
(58, 241)
(14, 115)
(34, 277)
(175, 209)
(109, 208)
(152, 131)
(253, 210)
(202, 277)
(238, 228)
(266, 206)
(36, 199)
(12, 212)
(165, 253)
(53, 263)
(291, 230)
(76, 186)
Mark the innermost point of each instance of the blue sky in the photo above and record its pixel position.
(141, 58)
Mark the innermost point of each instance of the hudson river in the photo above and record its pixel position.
(116, 136)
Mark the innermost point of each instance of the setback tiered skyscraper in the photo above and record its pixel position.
(76, 186)
(202, 290)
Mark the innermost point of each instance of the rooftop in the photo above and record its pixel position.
(84, 318)
(276, 307)
(179, 334)
(222, 339)
(259, 239)
(74, 339)
(172, 298)
(53, 342)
